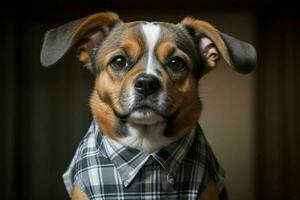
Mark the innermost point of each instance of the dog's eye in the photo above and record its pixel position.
(119, 62)
(177, 64)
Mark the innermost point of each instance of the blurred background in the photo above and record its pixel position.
(251, 121)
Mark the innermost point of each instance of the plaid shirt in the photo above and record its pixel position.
(104, 169)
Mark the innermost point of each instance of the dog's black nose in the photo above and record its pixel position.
(146, 84)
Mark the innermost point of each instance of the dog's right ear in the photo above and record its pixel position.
(212, 44)
(85, 34)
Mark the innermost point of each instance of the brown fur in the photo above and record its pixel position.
(78, 194)
(210, 192)
(106, 97)
(133, 46)
(103, 115)
(164, 49)
(187, 100)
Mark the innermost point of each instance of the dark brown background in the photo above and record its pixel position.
(43, 117)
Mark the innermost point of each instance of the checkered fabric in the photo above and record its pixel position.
(105, 169)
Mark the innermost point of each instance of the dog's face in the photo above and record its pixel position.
(146, 74)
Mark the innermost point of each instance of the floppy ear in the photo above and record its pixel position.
(85, 34)
(212, 44)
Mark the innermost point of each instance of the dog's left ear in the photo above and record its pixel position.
(85, 34)
(211, 43)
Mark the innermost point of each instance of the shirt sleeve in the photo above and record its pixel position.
(72, 175)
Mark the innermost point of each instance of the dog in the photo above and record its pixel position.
(145, 141)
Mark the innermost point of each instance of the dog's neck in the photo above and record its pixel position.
(147, 138)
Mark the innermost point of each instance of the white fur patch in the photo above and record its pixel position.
(152, 34)
(146, 138)
(145, 117)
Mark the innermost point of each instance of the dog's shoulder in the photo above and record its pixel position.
(78, 194)
(210, 192)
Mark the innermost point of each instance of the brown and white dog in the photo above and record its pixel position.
(146, 75)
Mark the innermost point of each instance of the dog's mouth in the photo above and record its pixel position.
(145, 114)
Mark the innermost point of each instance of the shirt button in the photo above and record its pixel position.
(170, 179)
(126, 183)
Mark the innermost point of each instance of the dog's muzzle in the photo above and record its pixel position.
(145, 102)
(146, 88)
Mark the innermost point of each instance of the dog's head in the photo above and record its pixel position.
(146, 74)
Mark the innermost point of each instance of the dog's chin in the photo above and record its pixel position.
(144, 116)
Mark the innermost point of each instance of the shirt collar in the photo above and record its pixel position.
(129, 161)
